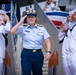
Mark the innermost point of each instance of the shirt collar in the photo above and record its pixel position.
(2, 24)
(30, 26)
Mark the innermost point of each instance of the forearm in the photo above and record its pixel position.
(48, 54)
(48, 44)
(14, 29)
(8, 26)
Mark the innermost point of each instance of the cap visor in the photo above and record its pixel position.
(31, 15)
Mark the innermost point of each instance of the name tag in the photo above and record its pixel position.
(26, 31)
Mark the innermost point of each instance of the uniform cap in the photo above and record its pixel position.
(71, 12)
(31, 13)
(2, 12)
(74, 10)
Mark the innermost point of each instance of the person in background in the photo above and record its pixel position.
(64, 27)
(53, 8)
(64, 39)
(72, 44)
(56, 5)
(4, 29)
(56, 2)
(33, 36)
(25, 13)
(48, 5)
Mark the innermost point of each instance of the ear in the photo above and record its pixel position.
(36, 20)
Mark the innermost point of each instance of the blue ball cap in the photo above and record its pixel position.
(31, 13)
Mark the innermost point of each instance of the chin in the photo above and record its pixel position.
(31, 23)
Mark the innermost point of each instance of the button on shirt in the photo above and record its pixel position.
(33, 37)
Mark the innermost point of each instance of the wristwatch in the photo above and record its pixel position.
(49, 52)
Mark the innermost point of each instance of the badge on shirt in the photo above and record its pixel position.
(26, 31)
(40, 31)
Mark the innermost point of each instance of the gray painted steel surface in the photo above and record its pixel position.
(10, 70)
(53, 31)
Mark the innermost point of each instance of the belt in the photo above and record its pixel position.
(32, 50)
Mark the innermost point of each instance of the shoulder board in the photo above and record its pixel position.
(39, 25)
(25, 24)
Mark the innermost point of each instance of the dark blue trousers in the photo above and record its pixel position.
(32, 62)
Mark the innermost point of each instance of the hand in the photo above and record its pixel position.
(6, 17)
(63, 27)
(47, 56)
(22, 19)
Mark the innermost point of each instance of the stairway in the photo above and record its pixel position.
(45, 66)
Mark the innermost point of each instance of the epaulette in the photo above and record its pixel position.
(25, 24)
(39, 25)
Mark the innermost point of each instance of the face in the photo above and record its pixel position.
(49, 1)
(31, 20)
(74, 17)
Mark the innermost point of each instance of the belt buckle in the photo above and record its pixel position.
(34, 51)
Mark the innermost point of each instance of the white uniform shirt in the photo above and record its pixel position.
(72, 43)
(2, 46)
(33, 37)
(62, 36)
(48, 7)
(3, 29)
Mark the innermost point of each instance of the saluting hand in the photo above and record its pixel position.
(6, 17)
(22, 19)
(63, 27)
